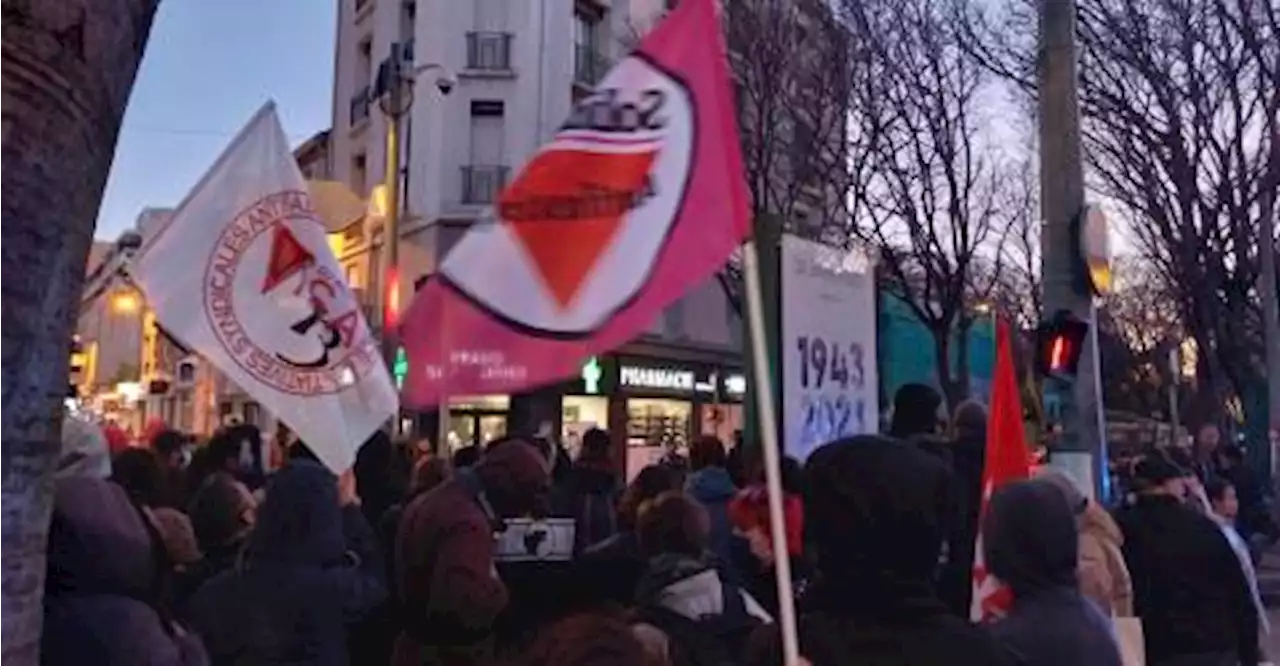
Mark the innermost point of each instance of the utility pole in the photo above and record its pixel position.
(394, 103)
(1075, 403)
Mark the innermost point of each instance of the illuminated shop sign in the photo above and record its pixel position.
(667, 379)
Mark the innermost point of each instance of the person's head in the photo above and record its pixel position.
(428, 473)
(649, 484)
(749, 514)
(222, 453)
(168, 445)
(142, 474)
(300, 521)
(707, 451)
(1222, 498)
(676, 525)
(917, 410)
(970, 420)
(595, 639)
(1076, 500)
(516, 478)
(1158, 476)
(84, 451)
(466, 456)
(597, 448)
(876, 509)
(222, 512)
(1029, 537)
(1207, 439)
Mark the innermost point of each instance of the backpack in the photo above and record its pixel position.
(715, 640)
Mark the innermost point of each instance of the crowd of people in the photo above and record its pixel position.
(164, 558)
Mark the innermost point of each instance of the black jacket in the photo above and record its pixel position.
(1188, 587)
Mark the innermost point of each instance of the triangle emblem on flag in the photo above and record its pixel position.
(286, 258)
(566, 224)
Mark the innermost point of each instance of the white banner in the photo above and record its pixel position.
(828, 355)
(244, 275)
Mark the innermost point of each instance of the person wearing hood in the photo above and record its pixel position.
(877, 513)
(311, 568)
(919, 417)
(1188, 586)
(446, 576)
(1104, 578)
(682, 594)
(592, 490)
(106, 582)
(1031, 544)
(710, 483)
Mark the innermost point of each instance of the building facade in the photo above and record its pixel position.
(496, 78)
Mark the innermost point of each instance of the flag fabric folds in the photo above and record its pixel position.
(638, 197)
(243, 275)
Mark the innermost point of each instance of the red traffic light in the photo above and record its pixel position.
(1059, 344)
(391, 300)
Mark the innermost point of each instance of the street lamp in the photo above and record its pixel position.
(394, 90)
(125, 303)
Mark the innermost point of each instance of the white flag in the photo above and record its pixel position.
(244, 275)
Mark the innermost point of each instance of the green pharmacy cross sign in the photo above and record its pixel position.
(400, 367)
(592, 373)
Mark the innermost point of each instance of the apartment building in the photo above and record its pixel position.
(496, 78)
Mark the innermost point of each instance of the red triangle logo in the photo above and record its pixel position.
(287, 257)
(565, 222)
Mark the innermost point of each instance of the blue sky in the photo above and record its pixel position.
(209, 65)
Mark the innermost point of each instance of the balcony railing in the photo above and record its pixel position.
(482, 183)
(589, 66)
(489, 51)
(360, 105)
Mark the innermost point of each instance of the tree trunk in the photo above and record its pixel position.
(68, 68)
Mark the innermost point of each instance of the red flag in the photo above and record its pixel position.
(1006, 461)
(638, 197)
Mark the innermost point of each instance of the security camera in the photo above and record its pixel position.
(445, 84)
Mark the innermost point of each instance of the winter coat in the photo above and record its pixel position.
(446, 576)
(1031, 544)
(876, 512)
(713, 487)
(955, 580)
(1104, 578)
(1188, 587)
(311, 568)
(1246, 565)
(608, 572)
(103, 596)
(696, 591)
(591, 496)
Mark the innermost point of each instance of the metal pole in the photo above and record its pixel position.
(1079, 449)
(1175, 372)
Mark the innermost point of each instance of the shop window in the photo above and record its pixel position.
(578, 415)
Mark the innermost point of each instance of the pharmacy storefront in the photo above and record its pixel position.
(652, 405)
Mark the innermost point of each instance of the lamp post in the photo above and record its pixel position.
(394, 92)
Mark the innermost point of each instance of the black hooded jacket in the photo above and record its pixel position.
(1188, 586)
(311, 568)
(1031, 544)
(878, 513)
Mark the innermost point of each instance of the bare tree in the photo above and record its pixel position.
(1174, 95)
(68, 70)
(926, 191)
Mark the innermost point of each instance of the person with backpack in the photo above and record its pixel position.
(705, 620)
(592, 491)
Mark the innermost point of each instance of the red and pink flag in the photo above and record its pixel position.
(638, 197)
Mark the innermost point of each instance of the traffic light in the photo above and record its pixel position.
(391, 300)
(1059, 343)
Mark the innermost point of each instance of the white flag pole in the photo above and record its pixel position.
(772, 454)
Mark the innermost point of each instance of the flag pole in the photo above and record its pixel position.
(772, 453)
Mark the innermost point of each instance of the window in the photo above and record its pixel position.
(587, 58)
(486, 173)
(489, 50)
(408, 14)
(359, 174)
(360, 78)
